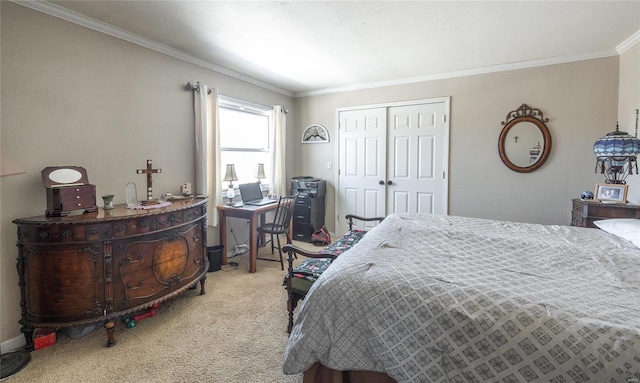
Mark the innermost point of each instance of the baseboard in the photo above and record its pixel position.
(13, 344)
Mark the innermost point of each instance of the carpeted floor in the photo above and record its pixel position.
(234, 333)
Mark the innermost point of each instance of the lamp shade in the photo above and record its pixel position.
(617, 145)
(616, 155)
(230, 175)
(260, 172)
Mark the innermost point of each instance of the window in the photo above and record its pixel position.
(245, 137)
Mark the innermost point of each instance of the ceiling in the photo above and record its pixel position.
(311, 47)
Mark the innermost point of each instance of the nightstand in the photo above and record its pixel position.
(584, 212)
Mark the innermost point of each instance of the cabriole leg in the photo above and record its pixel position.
(28, 336)
(109, 326)
(202, 290)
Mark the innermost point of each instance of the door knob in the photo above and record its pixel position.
(381, 182)
(389, 182)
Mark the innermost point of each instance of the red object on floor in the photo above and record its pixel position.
(150, 313)
(43, 338)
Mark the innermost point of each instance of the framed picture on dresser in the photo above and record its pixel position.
(611, 193)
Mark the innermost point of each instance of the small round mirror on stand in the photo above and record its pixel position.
(525, 142)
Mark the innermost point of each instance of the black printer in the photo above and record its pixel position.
(308, 213)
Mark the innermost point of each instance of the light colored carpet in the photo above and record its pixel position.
(236, 332)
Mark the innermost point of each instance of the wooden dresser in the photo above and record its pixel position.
(584, 212)
(98, 266)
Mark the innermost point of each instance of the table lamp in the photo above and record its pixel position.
(260, 172)
(617, 154)
(230, 176)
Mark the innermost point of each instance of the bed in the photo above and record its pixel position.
(434, 298)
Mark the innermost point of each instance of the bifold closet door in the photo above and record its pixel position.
(416, 141)
(392, 159)
(362, 164)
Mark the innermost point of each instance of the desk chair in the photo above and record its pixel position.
(280, 225)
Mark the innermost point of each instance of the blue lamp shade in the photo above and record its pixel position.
(616, 154)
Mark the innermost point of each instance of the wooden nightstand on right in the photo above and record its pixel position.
(584, 212)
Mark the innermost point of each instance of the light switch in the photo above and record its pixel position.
(329, 165)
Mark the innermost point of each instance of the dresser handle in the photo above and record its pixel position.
(130, 260)
(140, 283)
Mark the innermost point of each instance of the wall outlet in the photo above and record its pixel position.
(185, 189)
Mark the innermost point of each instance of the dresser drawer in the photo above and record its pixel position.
(66, 199)
(303, 201)
(578, 221)
(302, 232)
(301, 214)
(579, 209)
(74, 194)
(77, 204)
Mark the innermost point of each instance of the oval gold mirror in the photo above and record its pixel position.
(525, 141)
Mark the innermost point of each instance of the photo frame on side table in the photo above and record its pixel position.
(611, 193)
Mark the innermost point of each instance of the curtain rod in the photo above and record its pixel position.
(231, 100)
(195, 88)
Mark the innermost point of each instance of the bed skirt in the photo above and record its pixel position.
(318, 373)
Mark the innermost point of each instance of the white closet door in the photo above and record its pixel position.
(393, 159)
(416, 180)
(362, 164)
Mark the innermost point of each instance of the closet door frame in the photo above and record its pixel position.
(340, 223)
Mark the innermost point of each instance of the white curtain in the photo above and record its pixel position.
(207, 132)
(279, 181)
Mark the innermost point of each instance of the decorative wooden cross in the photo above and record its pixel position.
(149, 172)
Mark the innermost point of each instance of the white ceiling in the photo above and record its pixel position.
(312, 47)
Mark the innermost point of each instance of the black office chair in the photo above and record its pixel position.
(280, 225)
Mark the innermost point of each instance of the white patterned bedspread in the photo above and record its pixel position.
(431, 298)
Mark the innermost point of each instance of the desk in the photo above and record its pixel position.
(252, 213)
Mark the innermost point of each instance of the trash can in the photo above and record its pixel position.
(215, 257)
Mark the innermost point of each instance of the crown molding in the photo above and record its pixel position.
(77, 18)
(80, 19)
(462, 73)
(628, 43)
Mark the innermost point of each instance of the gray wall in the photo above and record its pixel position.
(580, 99)
(629, 102)
(74, 96)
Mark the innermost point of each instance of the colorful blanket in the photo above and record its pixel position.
(312, 268)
